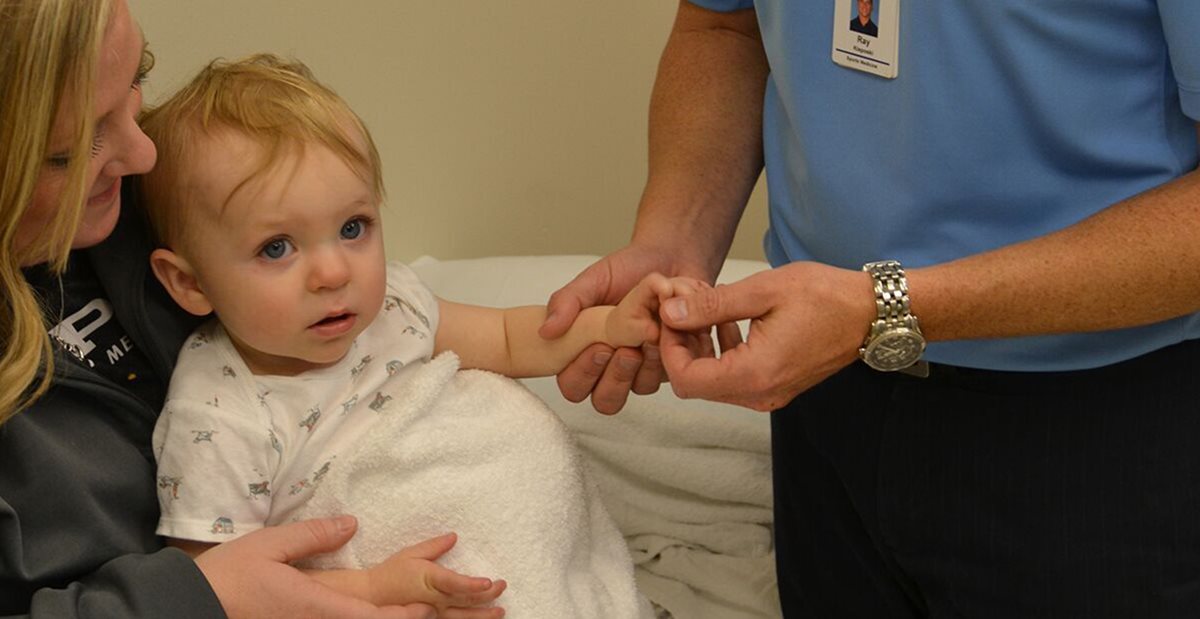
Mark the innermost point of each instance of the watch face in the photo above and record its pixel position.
(895, 349)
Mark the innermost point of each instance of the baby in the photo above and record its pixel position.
(328, 380)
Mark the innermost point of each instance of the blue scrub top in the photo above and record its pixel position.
(1009, 119)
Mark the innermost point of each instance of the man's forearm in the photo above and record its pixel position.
(705, 135)
(1132, 264)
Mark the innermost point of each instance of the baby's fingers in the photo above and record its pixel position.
(460, 590)
(681, 286)
(648, 291)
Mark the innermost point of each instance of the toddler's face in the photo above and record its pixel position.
(294, 266)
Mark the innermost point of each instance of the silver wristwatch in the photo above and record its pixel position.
(895, 341)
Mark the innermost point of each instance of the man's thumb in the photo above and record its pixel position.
(707, 307)
(561, 311)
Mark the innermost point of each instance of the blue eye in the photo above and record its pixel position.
(353, 229)
(276, 249)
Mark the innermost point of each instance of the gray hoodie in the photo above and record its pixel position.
(78, 502)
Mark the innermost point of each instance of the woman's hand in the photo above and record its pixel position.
(253, 579)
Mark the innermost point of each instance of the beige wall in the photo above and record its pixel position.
(506, 128)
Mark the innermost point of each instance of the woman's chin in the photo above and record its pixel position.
(98, 222)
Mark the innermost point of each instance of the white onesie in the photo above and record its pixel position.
(237, 452)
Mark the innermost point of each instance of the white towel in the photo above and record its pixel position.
(689, 485)
(478, 454)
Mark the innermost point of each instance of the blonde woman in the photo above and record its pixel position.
(88, 341)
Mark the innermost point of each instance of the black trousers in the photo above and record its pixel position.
(993, 494)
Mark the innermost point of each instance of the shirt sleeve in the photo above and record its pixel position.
(724, 6)
(163, 584)
(1181, 25)
(216, 465)
(410, 295)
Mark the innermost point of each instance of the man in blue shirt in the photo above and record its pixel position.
(1033, 199)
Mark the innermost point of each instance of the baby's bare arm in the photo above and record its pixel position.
(507, 341)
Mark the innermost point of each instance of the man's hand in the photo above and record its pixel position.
(253, 578)
(608, 375)
(807, 321)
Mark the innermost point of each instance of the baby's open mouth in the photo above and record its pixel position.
(329, 320)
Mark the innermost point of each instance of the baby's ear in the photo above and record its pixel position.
(179, 279)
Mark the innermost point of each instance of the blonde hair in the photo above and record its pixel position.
(48, 56)
(274, 102)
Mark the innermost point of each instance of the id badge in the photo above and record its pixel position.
(866, 36)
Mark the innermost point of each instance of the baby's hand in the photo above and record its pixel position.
(413, 575)
(635, 319)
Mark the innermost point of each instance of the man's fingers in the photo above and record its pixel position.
(700, 343)
(714, 306)
(695, 374)
(577, 380)
(729, 336)
(604, 374)
(612, 390)
(651, 375)
(730, 379)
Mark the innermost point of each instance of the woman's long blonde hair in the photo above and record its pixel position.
(48, 54)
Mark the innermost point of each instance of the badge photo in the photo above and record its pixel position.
(866, 36)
